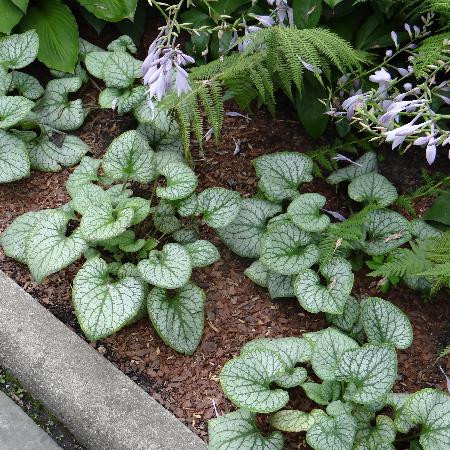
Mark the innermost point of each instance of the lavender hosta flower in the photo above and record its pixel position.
(407, 86)
(394, 38)
(335, 214)
(423, 140)
(445, 99)
(446, 141)
(430, 153)
(266, 21)
(408, 30)
(382, 77)
(389, 53)
(309, 66)
(398, 135)
(352, 103)
(403, 72)
(340, 157)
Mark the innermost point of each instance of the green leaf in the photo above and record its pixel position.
(337, 433)
(130, 99)
(280, 286)
(281, 174)
(202, 253)
(258, 273)
(243, 234)
(304, 211)
(292, 421)
(103, 306)
(103, 222)
(385, 230)
(111, 10)
(245, 381)
(87, 195)
(14, 160)
(169, 269)
(164, 218)
(54, 108)
(328, 351)
(181, 182)
(238, 431)
(51, 155)
(13, 109)
(331, 298)
(178, 320)
(19, 50)
(384, 323)
(287, 250)
(120, 70)
(58, 34)
(430, 408)
(370, 372)
(349, 317)
(439, 210)
(307, 13)
(322, 393)
(10, 17)
(48, 249)
(365, 164)
(26, 85)
(129, 157)
(219, 206)
(372, 188)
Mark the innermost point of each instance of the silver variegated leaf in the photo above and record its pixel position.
(371, 437)
(104, 306)
(123, 43)
(109, 98)
(398, 401)
(365, 164)
(338, 407)
(19, 50)
(95, 63)
(178, 319)
(219, 206)
(26, 85)
(372, 188)
(337, 433)
(258, 272)
(187, 206)
(293, 421)
(304, 211)
(281, 174)
(331, 298)
(185, 235)
(245, 381)
(87, 195)
(13, 110)
(165, 157)
(14, 159)
(181, 182)
(164, 218)
(84, 173)
(140, 206)
(422, 230)
(169, 269)
(120, 70)
(322, 393)
(349, 317)
(202, 253)
(280, 286)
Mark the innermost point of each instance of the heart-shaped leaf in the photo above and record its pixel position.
(304, 211)
(337, 433)
(282, 173)
(398, 401)
(95, 63)
(422, 230)
(13, 110)
(292, 421)
(120, 70)
(238, 431)
(179, 319)
(385, 231)
(365, 164)
(26, 85)
(129, 99)
(140, 206)
(382, 433)
(129, 157)
(185, 236)
(245, 381)
(328, 351)
(187, 206)
(243, 234)
(258, 273)
(280, 286)
(123, 43)
(19, 50)
(87, 195)
(430, 408)
(49, 155)
(219, 206)
(169, 269)
(181, 182)
(331, 298)
(384, 323)
(164, 218)
(54, 108)
(14, 159)
(103, 222)
(84, 173)
(48, 249)
(349, 317)
(370, 372)
(202, 253)
(322, 393)
(372, 188)
(165, 157)
(102, 305)
(287, 250)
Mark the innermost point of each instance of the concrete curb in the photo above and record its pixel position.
(100, 405)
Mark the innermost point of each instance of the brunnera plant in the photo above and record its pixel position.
(140, 251)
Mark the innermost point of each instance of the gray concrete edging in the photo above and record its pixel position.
(100, 405)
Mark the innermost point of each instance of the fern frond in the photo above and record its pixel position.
(444, 352)
(406, 203)
(431, 50)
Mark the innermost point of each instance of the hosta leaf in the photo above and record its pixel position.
(164, 218)
(95, 63)
(322, 393)
(202, 253)
(55, 109)
(13, 109)
(280, 286)
(258, 273)
(129, 157)
(304, 211)
(48, 249)
(287, 250)
(245, 381)
(219, 206)
(384, 323)
(120, 70)
(281, 174)
(26, 85)
(84, 173)
(328, 351)
(337, 433)
(243, 234)
(179, 319)
(11, 16)
(422, 230)
(103, 306)
(238, 431)
(331, 298)
(292, 421)
(365, 164)
(103, 222)
(371, 437)
(348, 319)
(385, 230)
(181, 182)
(370, 372)
(14, 159)
(430, 408)
(51, 155)
(111, 10)
(372, 188)
(19, 50)
(140, 206)
(169, 269)
(88, 195)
